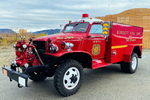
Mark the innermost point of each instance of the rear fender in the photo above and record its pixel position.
(131, 48)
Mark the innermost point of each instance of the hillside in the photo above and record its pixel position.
(50, 31)
(7, 31)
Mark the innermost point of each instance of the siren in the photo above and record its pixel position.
(85, 15)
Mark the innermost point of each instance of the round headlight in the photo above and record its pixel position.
(63, 45)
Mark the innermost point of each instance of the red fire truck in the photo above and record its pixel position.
(87, 43)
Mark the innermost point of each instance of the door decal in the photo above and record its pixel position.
(96, 49)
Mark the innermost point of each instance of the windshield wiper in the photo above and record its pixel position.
(96, 30)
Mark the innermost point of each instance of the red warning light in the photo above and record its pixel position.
(85, 15)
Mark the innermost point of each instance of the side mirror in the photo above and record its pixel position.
(30, 39)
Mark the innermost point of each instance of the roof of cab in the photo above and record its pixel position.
(88, 20)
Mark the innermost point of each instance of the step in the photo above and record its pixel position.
(98, 63)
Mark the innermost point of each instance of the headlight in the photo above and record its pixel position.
(63, 45)
(67, 45)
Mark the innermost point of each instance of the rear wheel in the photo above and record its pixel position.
(68, 77)
(132, 66)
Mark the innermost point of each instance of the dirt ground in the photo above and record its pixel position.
(6, 55)
(107, 83)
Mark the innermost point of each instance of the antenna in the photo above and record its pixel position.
(108, 10)
(60, 28)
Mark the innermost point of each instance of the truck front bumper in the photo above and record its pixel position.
(21, 78)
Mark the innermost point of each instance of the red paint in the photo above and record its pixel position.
(85, 15)
(127, 38)
(98, 63)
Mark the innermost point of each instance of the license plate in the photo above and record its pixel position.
(22, 81)
(5, 72)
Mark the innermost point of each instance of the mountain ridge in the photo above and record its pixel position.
(48, 31)
(6, 31)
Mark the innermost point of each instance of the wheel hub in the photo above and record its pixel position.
(73, 78)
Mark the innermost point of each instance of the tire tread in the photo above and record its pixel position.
(126, 67)
(59, 72)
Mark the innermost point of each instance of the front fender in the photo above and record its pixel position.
(82, 57)
(59, 54)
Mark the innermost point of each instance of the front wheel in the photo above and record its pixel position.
(68, 77)
(132, 66)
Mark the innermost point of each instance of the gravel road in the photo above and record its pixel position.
(107, 83)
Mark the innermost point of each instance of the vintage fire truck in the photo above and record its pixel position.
(86, 43)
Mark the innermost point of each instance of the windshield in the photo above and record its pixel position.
(76, 27)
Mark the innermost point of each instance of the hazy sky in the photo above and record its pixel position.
(46, 14)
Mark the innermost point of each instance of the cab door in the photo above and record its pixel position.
(96, 42)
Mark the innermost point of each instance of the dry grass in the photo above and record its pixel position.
(7, 52)
(6, 55)
(9, 39)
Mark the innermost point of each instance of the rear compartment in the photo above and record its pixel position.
(120, 37)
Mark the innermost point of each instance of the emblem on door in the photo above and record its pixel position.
(95, 49)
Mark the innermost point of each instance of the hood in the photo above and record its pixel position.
(63, 36)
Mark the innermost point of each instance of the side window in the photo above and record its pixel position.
(96, 29)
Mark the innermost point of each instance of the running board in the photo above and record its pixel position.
(96, 63)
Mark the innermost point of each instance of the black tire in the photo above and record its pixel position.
(132, 66)
(68, 77)
(37, 76)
